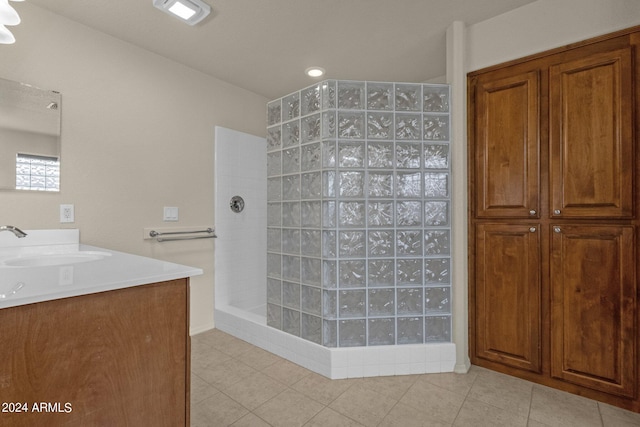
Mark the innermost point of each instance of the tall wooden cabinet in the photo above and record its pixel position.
(553, 240)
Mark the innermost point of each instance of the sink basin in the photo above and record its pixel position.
(9, 290)
(46, 260)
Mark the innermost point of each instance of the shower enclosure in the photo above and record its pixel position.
(358, 214)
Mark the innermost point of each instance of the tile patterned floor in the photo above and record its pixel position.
(234, 383)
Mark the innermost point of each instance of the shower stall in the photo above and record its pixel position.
(357, 238)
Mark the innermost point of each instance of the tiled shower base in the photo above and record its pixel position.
(336, 363)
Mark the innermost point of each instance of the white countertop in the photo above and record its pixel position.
(115, 270)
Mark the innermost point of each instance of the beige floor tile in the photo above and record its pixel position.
(232, 346)
(225, 374)
(217, 410)
(557, 408)
(617, 417)
(534, 423)
(258, 358)
(251, 420)
(206, 357)
(254, 390)
(475, 413)
(230, 377)
(406, 416)
(457, 383)
(330, 418)
(286, 372)
(503, 391)
(212, 337)
(363, 404)
(198, 344)
(288, 409)
(321, 388)
(200, 389)
(432, 400)
(392, 386)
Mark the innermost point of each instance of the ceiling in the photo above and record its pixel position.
(265, 45)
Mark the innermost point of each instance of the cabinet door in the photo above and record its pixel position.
(591, 133)
(593, 295)
(506, 145)
(508, 294)
(118, 358)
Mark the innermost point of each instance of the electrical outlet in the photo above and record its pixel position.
(66, 213)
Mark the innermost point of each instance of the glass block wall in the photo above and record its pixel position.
(359, 213)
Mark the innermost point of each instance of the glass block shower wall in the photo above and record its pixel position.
(358, 214)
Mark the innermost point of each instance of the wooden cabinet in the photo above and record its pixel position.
(507, 147)
(593, 294)
(591, 136)
(117, 358)
(508, 294)
(553, 195)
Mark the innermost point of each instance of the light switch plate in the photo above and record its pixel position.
(170, 214)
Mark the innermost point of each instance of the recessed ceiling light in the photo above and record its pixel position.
(189, 11)
(182, 10)
(314, 72)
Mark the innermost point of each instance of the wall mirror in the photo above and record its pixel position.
(29, 137)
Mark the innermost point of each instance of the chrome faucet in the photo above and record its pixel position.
(15, 230)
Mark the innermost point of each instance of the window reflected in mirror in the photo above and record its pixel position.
(40, 173)
(29, 138)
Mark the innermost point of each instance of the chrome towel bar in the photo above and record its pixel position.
(180, 235)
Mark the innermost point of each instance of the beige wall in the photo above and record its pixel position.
(137, 135)
(544, 25)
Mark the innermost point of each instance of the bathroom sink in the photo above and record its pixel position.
(46, 260)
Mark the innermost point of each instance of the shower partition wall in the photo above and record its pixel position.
(358, 228)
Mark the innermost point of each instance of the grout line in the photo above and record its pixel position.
(466, 397)
(600, 414)
(389, 411)
(530, 405)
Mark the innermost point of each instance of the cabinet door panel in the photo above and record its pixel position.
(119, 358)
(508, 294)
(506, 146)
(591, 136)
(593, 296)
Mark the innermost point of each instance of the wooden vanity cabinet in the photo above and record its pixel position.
(553, 226)
(116, 358)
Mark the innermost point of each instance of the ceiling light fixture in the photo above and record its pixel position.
(189, 11)
(8, 16)
(314, 72)
(6, 37)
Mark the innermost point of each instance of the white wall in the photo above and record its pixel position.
(241, 246)
(137, 135)
(533, 28)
